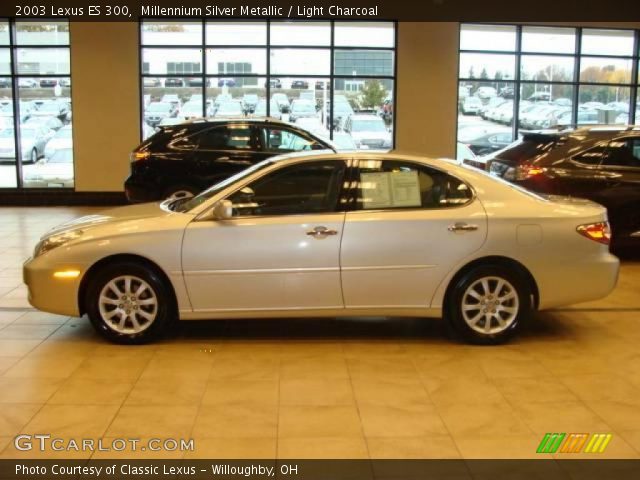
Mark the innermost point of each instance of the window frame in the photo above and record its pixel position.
(14, 76)
(354, 178)
(269, 47)
(576, 84)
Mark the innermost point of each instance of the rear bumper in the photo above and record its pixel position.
(576, 282)
(50, 294)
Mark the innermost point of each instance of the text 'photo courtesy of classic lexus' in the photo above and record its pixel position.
(330, 234)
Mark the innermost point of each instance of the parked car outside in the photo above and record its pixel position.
(282, 100)
(471, 106)
(53, 171)
(61, 140)
(185, 161)
(601, 164)
(226, 82)
(485, 140)
(156, 111)
(249, 102)
(274, 109)
(230, 109)
(405, 236)
(191, 109)
(300, 84)
(368, 131)
(151, 82)
(173, 82)
(301, 108)
(32, 142)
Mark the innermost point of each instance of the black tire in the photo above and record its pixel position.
(34, 155)
(165, 309)
(497, 334)
(189, 190)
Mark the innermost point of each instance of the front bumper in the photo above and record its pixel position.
(51, 294)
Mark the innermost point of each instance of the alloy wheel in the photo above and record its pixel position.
(128, 305)
(490, 305)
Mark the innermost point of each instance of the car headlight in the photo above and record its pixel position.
(55, 241)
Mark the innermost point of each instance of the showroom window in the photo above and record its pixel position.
(36, 145)
(514, 79)
(315, 74)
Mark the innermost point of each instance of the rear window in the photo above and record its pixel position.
(528, 148)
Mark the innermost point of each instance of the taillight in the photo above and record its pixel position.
(136, 156)
(526, 171)
(599, 232)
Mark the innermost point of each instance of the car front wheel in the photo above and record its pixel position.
(129, 303)
(489, 305)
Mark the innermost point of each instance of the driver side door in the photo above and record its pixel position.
(279, 251)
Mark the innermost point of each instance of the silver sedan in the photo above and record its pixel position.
(329, 235)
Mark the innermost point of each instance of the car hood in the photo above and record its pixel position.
(113, 216)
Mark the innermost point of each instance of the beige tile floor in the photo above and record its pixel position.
(372, 388)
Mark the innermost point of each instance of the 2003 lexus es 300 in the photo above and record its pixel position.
(329, 235)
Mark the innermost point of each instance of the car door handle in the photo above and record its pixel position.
(320, 232)
(462, 227)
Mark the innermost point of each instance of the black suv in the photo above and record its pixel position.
(598, 163)
(184, 159)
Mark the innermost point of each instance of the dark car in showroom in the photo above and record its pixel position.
(601, 164)
(182, 160)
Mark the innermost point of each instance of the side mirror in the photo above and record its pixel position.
(223, 210)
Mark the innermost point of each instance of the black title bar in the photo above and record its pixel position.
(424, 10)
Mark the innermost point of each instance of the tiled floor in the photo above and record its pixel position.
(317, 388)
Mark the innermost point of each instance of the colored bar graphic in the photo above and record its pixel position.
(550, 442)
(598, 443)
(574, 443)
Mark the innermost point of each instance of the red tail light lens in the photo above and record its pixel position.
(598, 232)
(525, 171)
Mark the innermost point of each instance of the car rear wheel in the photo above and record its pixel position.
(129, 303)
(488, 305)
(181, 191)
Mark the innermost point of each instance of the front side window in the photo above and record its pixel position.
(307, 188)
(226, 138)
(390, 184)
(623, 152)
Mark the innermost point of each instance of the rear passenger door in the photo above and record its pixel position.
(224, 150)
(409, 225)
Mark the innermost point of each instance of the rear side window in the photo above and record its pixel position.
(623, 152)
(282, 140)
(592, 156)
(233, 137)
(391, 184)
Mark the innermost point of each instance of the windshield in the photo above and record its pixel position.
(373, 125)
(49, 107)
(62, 156)
(64, 133)
(218, 187)
(158, 107)
(192, 107)
(303, 107)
